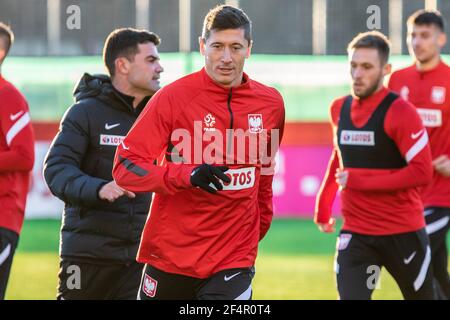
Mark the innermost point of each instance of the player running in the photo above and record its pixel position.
(16, 162)
(201, 243)
(426, 84)
(381, 158)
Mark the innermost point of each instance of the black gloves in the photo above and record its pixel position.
(205, 175)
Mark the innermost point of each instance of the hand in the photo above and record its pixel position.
(205, 175)
(442, 165)
(111, 191)
(341, 178)
(327, 227)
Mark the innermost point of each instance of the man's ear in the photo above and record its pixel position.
(202, 43)
(2, 54)
(387, 69)
(249, 50)
(442, 40)
(122, 65)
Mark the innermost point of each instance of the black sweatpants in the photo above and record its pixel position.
(8, 244)
(406, 256)
(230, 284)
(438, 224)
(98, 281)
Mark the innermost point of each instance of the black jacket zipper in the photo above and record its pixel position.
(230, 140)
(230, 94)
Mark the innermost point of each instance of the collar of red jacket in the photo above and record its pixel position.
(438, 68)
(214, 86)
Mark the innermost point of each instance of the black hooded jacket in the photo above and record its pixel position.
(80, 162)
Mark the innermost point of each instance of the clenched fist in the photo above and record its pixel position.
(111, 191)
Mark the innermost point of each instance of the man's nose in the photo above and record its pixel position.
(226, 56)
(357, 73)
(159, 68)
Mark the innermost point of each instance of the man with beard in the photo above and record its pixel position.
(426, 84)
(102, 222)
(380, 160)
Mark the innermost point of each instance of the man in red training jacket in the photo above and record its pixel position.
(426, 84)
(16, 162)
(213, 125)
(380, 160)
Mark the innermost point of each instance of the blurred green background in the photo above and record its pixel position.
(308, 84)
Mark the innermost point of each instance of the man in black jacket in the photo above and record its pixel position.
(102, 223)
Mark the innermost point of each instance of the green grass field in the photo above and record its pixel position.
(295, 262)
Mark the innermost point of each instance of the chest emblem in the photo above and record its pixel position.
(255, 123)
(438, 95)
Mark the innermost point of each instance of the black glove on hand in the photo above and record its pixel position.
(202, 177)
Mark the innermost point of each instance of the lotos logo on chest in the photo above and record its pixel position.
(243, 178)
(357, 138)
(430, 117)
(110, 140)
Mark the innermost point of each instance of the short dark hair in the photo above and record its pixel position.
(124, 42)
(224, 17)
(427, 17)
(7, 37)
(373, 40)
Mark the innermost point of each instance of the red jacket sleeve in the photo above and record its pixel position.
(404, 126)
(134, 165)
(327, 192)
(265, 193)
(15, 124)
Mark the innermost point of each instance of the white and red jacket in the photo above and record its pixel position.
(195, 121)
(16, 156)
(380, 201)
(429, 92)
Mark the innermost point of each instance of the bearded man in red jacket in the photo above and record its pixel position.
(380, 161)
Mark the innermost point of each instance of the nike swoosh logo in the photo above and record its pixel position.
(109, 127)
(414, 136)
(125, 147)
(409, 259)
(14, 117)
(226, 278)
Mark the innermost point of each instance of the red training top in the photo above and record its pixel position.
(16, 155)
(428, 92)
(380, 201)
(190, 231)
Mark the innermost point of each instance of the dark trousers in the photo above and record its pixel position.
(406, 256)
(8, 244)
(98, 281)
(231, 284)
(438, 224)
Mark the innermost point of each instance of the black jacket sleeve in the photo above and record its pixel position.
(62, 165)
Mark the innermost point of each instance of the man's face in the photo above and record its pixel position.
(225, 52)
(425, 42)
(367, 71)
(144, 71)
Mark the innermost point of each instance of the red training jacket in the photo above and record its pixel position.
(429, 91)
(190, 231)
(16, 155)
(380, 201)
